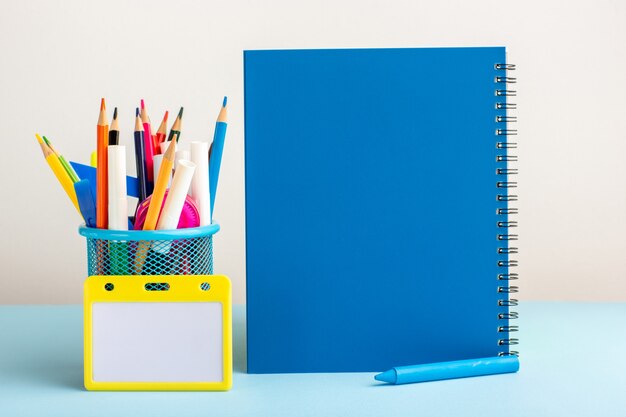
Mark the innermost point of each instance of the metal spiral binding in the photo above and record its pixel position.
(504, 223)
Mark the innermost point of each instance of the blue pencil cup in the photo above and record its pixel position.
(160, 252)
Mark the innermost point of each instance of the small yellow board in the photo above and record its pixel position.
(158, 333)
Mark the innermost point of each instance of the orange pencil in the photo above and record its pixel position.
(102, 191)
(160, 185)
(156, 201)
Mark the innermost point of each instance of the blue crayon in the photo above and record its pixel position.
(449, 370)
(217, 148)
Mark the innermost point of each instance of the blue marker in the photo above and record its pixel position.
(86, 202)
(217, 147)
(448, 370)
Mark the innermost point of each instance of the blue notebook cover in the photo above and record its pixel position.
(376, 220)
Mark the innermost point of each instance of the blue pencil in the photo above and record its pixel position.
(217, 148)
(448, 370)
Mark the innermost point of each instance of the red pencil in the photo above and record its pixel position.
(160, 135)
(148, 145)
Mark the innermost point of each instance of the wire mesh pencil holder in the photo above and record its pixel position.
(160, 252)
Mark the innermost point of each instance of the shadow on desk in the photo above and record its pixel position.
(44, 346)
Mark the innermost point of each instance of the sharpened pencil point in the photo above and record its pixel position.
(225, 101)
(102, 104)
(136, 111)
(143, 105)
(171, 148)
(38, 138)
(180, 113)
(165, 117)
(115, 113)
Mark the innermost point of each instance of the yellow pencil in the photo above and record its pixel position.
(60, 173)
(66, 166)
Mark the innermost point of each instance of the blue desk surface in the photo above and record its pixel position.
(572, 364)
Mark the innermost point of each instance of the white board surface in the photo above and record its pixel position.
(157, 342)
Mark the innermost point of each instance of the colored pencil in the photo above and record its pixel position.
(114, 130)
(68, 168)
(156, 201)
(148, 144)
(102, 191)
(60, 173)
(176, 126)
(217, 148)
(140, 158)
(160, 134)
(160, 186)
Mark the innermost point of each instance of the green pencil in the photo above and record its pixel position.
(176, 127)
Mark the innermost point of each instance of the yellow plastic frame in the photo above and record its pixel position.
(183, 288)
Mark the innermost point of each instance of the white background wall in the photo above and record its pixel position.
(58, 58)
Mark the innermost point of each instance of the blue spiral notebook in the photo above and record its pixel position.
(378, 217)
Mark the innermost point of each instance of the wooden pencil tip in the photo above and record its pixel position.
(136, 111)
(46, 141)
(165, 117)
(115, 113)
(143, 105)
(171, 149)
(180, 113)
(221, 117)
(38, 138)
(45, 149)
(225, 101)
(102, 104)
(138, 124)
